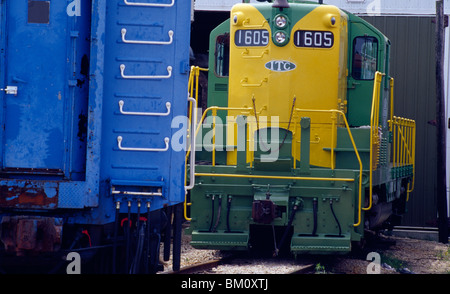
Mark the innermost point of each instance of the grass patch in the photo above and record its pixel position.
(319, 269)
(444, 255)
(393, 262)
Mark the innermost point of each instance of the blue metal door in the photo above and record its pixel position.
(34, 86)
(146, 66)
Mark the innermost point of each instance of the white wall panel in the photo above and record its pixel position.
(373, 7)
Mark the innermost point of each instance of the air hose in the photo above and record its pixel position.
(337, 221)
(116, 228)
(228, 214)
(315, 208)
(289, 225)
(218, 214)
(212, 213)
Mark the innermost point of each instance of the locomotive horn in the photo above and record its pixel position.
(280, 4)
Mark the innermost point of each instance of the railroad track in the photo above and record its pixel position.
(308, 269)
(356, 263)
(197, 268)
(207, 266)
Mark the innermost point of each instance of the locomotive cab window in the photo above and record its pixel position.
(365, 58)
(222, 55)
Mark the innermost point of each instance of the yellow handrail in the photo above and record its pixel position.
(193, 78)
(374, 125)
(334, 111)
(413, 157)
(404, 146)
(247, 110)
(214, 109)
(404, 141)
(251, 176)
(392, 103)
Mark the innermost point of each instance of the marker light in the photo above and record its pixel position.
(280, 21)
(280, 37)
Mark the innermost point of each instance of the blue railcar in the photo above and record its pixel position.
(89, 92)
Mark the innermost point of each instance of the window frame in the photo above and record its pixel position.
(222, 55)
(361, 69)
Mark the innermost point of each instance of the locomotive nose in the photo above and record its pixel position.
(280, 4)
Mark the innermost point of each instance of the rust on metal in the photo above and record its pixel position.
(29, 235)
(27, 194)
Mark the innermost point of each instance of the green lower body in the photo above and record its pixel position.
(299, 214)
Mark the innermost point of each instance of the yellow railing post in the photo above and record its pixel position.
(193, 79)
(413, 158)
(392, 103)
(333, 138)
(374, 135)
(404, 147)
(341, 113)
(214, 115)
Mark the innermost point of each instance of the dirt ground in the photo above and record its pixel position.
(398, 256)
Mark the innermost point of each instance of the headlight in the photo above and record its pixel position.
(280, 37)
(280, 21)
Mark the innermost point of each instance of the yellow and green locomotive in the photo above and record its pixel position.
(298, 148)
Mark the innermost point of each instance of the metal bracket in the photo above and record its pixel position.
(11, 90)
(122, 73)
(166, 141)
(124, 32)
(121, 103)
(149, 4)
(137, 193)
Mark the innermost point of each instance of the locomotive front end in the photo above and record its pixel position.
(299, 148)
(286, 98)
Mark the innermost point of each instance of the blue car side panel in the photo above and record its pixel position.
(99, 84)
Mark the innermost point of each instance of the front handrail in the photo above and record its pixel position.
(193, 80)
(192, 138)
(192, 159)
(404, 147)
(246, 24)
(246, 52)
(244, 83)
(344, 118)
(249, 110)
(404, 134)
(374, 130)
